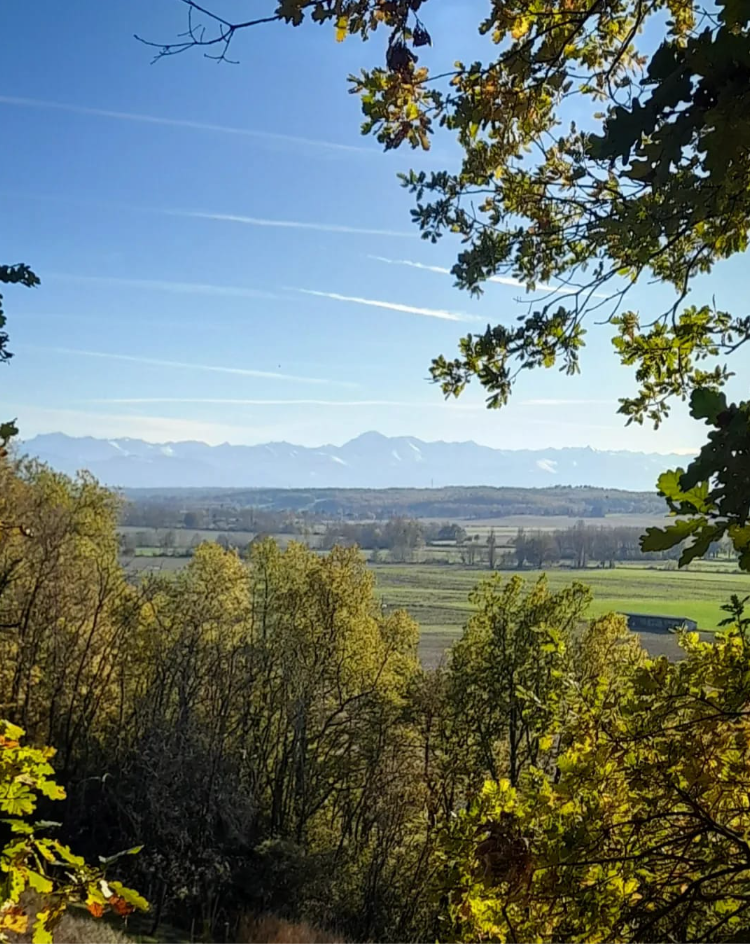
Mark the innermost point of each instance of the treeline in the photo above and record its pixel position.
(268, 735)
(174, 515)
(380, 504)
(582, 544)
(401, 537)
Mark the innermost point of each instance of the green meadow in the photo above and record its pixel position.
(437, 597)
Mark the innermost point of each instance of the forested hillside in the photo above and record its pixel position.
(251, 737)
(484, 502)
(262, 736)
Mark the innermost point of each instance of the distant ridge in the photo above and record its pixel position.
(369, 461)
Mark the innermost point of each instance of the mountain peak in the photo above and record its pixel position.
(371, 436)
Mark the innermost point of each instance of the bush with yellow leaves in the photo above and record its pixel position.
(31, 860)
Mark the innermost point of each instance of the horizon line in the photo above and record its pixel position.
(681, 451)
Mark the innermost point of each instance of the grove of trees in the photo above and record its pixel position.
(264, 729)
(266, 733)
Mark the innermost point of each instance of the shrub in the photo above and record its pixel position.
(33, 861)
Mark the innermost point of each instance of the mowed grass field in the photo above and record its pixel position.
(437, 597)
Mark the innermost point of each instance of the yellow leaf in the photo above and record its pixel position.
(40, 934)
(12, 731)
(39, 883)
(521, 27)
(14, 919)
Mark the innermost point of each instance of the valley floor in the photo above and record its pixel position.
(437, 597)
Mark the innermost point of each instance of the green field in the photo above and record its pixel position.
(437, 597)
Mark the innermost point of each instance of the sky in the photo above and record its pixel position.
(224, 258)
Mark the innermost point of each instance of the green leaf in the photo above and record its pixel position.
(131, 897)
(66, 855)
(106, 860)
(51, 790)
(40, 934)
(707, 404)
(18, 826)
(17, 803)
(663, 539)
(47, 824)
(705, 538)
(668, 484)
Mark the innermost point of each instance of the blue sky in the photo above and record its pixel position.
(221, 252)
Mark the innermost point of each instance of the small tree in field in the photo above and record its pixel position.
(491, 550)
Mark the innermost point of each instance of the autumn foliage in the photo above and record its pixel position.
(265, 731)
(32, 861)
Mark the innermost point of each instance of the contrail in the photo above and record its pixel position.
(391, 306)
(313, 225)
(499, 279)
(183, 123)
(183, 288)
(286, 224)
(213, 368)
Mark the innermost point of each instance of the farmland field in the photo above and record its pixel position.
(437, 597)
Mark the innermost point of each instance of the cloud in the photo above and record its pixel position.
(35, 420)
(344, 404)
(391, 306)
(564, 402)
(186, 288)
(314, 226)
(499, 279)
(270, 136)
(213, 368)
(286, 224)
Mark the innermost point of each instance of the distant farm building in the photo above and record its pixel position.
(651, 623)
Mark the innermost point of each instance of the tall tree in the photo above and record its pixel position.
(491, 549)
(651, 180)
(506, 670)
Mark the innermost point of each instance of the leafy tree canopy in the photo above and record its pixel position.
(653, 182)
(639, 834)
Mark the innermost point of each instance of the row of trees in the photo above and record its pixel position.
(172, 543)
(581, 544)
(172, 514)
(267, 733)
(402, 537)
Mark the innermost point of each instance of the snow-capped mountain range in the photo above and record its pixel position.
(369, 461)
